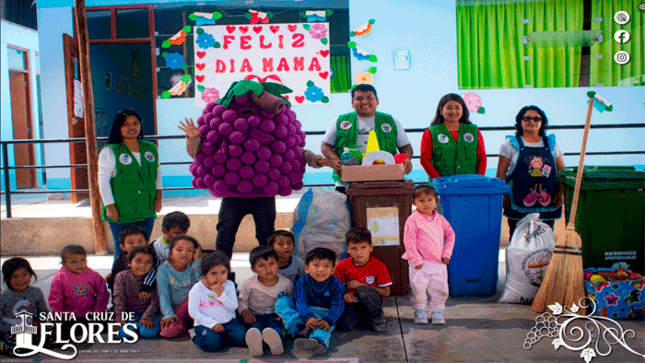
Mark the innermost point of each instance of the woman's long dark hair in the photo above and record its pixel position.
(518, 120)
(115, 134)
(438, 118)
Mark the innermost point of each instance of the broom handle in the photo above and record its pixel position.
(576, 192)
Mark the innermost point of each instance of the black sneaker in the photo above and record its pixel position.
(379, 324)
(312, 345)
(303, 331)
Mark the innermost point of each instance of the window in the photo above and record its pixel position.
(16, 59)
(170, 19)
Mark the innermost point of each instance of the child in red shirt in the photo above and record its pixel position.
(367, 281)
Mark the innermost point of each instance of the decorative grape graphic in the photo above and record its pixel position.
(249, 149)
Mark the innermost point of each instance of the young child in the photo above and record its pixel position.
(257, 298)
(212, 304)
(18, 296)
(129, 237)
(318, 299)
(173, 224)
(126, 294)
(428, 255)
(77, 288)
(289, 265)
(175, 278)
(367, 281)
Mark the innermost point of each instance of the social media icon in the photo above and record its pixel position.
(622, 36)
(622, 57)
(621, 17)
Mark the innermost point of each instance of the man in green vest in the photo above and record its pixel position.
(352, 130)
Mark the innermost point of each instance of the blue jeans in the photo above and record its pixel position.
(210, 341)
(142, 331)
(115, 227)
(233, 210)
(286, 309)
(263, 321)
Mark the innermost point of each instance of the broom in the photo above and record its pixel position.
(564, 281)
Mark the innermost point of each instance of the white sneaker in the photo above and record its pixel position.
(254, 342)
(420, 317)
(437, 318)
(273, 340)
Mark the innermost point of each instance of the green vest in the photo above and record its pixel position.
(347, 133)
(450, 157)
(134, 186)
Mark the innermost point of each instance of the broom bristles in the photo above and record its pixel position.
(564, 281)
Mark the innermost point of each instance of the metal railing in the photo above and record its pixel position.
(7, 177)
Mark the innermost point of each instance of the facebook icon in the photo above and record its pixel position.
(622, 36)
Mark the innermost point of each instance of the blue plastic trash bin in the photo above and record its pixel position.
(473, 206)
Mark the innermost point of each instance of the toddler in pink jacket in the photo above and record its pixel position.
(77, 288)
(429, 240)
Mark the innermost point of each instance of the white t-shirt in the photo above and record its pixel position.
(508, 151)
(107, 171)
(365, 125)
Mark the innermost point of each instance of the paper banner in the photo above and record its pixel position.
(383, 223)
(361, 54)
(316, 15)
(600, 103)
(205, 18)
(282, 53)
(473, 102)
(178, 38)
(363, 29)
(256, 17)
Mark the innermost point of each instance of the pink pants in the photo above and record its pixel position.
(179, 327)
(432, 277)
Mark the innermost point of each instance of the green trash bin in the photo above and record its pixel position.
(611, 214)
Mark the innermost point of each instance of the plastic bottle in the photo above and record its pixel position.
(346, 155)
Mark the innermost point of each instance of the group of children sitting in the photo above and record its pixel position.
(172, 287)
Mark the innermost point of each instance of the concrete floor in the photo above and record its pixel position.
(476, 330)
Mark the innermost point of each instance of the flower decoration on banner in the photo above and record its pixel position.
(205, 40)
(316, 15)
(210, 94)
(474, 103)
(255, 16)
(318, 31)
(178, 38)
(365, 77)
(174, 60)
(591, 335)
(361, 54)
(600, 103)
(179, 87)
(363, 29)
(205, 18)
(315, 94)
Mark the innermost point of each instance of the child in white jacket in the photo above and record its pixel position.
(212, 303)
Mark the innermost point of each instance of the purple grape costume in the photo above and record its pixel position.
(250, 152)
(250, 146)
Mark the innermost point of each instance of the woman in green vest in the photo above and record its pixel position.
(452, 144)
(129, 177)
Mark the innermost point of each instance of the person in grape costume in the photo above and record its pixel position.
(248, 148)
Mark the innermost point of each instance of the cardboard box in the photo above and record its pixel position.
(360, 173)
(618, 299)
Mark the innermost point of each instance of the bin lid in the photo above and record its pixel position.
(470, 184)
(604, 177)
